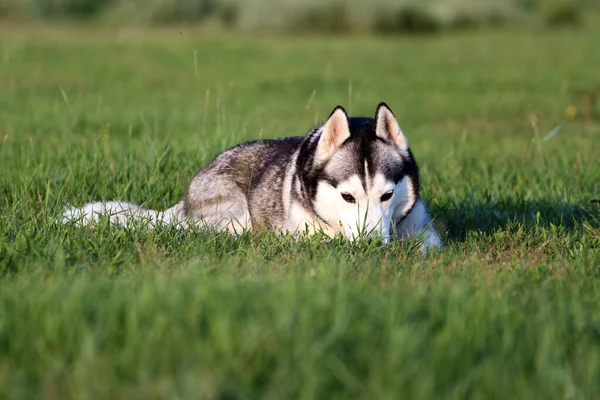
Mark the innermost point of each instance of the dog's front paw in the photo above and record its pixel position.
(430, 240)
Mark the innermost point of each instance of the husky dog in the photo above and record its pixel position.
(351, 176)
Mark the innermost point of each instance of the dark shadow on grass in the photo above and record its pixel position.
(488, 215)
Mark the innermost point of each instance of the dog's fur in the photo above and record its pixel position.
(351, 176)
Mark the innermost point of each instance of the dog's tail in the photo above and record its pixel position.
(122, 213)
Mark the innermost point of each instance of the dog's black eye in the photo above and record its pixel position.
(386, 196)
(348, 197)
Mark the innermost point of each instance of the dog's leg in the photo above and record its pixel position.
(417, 224)
(218, 202)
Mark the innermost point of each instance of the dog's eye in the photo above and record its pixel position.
(387, 196)
(348, 197)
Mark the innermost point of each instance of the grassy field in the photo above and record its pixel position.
(510, 161)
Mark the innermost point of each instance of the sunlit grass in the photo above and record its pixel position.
(508, 309)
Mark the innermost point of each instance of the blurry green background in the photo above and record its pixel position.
(383, 16)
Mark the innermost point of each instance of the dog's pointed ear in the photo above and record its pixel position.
(387, 127)
(335, 132)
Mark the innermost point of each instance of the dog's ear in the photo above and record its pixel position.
(335, 132)
(387, 127)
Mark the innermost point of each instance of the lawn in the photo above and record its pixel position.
(509, 152)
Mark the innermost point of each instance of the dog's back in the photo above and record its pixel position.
(221, 191)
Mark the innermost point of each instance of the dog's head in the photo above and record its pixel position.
(359, 174)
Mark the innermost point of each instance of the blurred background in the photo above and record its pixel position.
(302, 16)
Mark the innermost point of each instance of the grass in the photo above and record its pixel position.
(508, 309)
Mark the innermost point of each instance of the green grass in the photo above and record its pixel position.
(510, 308)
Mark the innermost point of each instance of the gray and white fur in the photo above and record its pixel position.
(351, 176)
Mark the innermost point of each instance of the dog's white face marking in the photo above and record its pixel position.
(361, 214)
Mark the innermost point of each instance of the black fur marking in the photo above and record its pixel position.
(307, 173)
(412, 170)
